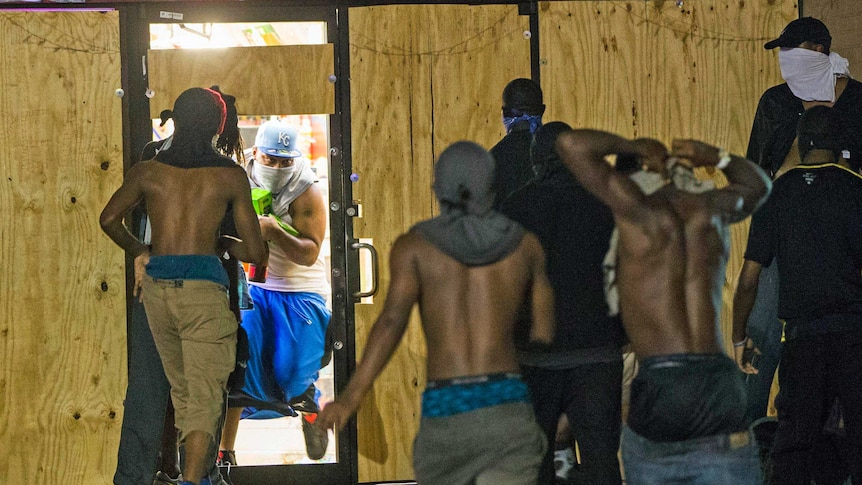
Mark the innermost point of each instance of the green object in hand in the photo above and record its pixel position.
(261, 199)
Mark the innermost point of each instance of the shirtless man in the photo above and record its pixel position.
(469, 269)
(686, 421)
(187, 190)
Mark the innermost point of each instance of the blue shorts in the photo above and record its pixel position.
(286, 337)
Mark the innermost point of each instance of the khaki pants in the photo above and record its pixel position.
(195, 334)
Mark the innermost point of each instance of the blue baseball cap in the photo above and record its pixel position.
(277, 139)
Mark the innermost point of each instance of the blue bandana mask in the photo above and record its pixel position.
(535, 122)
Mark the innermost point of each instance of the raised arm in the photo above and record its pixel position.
(748, 185)
(584, 152)
(384, 337)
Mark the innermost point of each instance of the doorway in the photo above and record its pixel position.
(280, 64)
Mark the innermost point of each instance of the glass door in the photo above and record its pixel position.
(280, 64)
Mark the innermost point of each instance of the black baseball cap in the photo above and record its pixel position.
(801, 30)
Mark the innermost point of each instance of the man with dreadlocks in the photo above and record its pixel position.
(149, 414)
(477, 422)
(179, 276)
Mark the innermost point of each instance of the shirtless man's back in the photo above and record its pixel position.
(477, 423)
(188, 189)
(687, 400)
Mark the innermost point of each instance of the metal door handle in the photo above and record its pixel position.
(374, 270)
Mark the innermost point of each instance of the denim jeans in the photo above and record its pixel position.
(709, 460)
(764, 328)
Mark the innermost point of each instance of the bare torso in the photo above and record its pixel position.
(186, 206)
(469, 313)
(669, 274)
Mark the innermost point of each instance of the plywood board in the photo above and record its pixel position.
(843, 18)
(303, 85)
(422, 77)
(655, 69)
(62, 282)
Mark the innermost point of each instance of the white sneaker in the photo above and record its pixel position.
(564, 461)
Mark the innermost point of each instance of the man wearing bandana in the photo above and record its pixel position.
(287, 323)
(811, 226)
(179, 276)
(581, 374)
(814, 75)
(522, 115)
(470, 269)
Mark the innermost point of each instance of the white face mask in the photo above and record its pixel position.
(811, 74)
(271, 178)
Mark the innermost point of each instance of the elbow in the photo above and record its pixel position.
(106, 221)
(260, 257)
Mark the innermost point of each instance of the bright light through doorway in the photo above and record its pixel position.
(280, 440)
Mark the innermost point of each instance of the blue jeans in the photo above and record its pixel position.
(147, 397)
(764, 328)
(709, 460)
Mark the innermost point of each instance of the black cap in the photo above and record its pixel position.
(801, 30)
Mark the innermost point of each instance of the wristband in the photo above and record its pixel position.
(741, 343)
(723, 159)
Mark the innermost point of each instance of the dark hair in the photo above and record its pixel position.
(544, 158)
(820, 128)
(229, 141)
(523, 96)
(197, 113)
(197, 116)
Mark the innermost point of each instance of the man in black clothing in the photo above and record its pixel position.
(522, 116)
(811, 226)
(805, 49)
(581, 374)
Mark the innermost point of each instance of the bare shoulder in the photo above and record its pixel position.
(409, 243)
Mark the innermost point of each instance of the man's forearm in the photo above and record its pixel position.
(744, 298)
(749, 180)
(123, 238)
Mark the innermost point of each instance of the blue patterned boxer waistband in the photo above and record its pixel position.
(448, 397)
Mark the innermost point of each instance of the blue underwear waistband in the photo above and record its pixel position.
(464, 394)
(188, 267)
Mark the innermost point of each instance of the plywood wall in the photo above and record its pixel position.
(844, 20)
(656, 69)
(305, 90)
(62, 284)
(422, 77)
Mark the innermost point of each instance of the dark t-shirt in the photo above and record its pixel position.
(574, 229)
(811, 225)
(776, 119)
(512, 168)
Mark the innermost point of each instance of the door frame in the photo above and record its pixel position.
(137, 131)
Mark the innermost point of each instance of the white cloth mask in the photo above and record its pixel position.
(811, 74)
(271, 178)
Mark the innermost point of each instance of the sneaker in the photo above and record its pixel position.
(226, 458)
(163, 478)
(316, 439)
(564, 461)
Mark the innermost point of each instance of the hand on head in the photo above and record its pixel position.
(698, 153)
(652, 153)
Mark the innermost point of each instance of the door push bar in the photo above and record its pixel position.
(375, 277)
